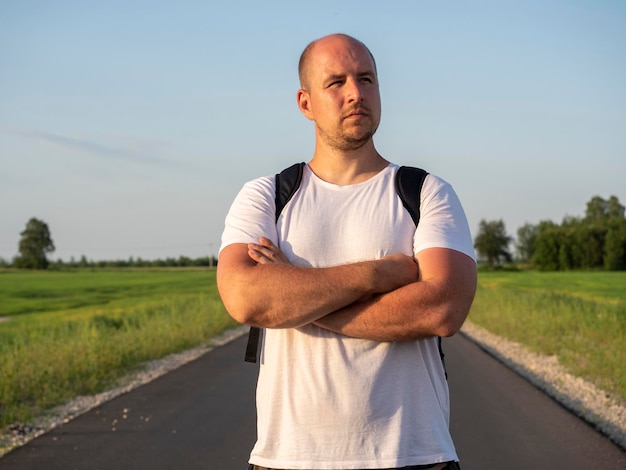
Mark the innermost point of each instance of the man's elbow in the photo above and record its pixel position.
(453, 317)
(243, 311)
(236, 310)
(455, 311)
(234, 301)
(449, 328)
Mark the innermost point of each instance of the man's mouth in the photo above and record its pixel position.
(358, 112)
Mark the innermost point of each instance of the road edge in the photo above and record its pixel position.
(595, 406)
(19, 435)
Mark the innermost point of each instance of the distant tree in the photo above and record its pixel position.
(492, 242)
(56, 265)
(526, 239)
(35, 242)
(184, 261)
(592, 238)
(600, 211)
(615, 246)
(595, 241)
(547, 246)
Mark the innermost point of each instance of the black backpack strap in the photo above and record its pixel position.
(287, 183)
(409, 182)
(442, 355)
(252, 349)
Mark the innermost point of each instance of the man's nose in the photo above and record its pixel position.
(355, 91)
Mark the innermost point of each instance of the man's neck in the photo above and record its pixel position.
(347, 167)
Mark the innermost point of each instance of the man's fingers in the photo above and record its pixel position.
(266, 253)
(267, 243)
(258, 253)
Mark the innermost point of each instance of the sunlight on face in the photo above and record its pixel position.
(343, 92)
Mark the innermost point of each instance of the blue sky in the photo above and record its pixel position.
(130, 126)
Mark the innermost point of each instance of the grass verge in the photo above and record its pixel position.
(578, 317)
(50, 357)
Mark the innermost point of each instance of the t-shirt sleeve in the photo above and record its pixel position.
(443, 223)
(252, 214)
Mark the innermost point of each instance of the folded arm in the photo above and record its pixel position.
(260, 287)
(437, 305)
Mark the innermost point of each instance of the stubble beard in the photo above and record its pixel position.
(351, 139)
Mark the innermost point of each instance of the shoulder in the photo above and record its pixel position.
(251, 214)
(443, 223)
(255, 191)
(433, 185)
(256, 195)
(260, 184)
(436, 188)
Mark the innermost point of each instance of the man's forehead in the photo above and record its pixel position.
(339, 53)
(339, 45)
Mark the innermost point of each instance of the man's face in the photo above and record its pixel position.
(342, 93)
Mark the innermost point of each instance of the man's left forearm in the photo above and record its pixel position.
(437, 305)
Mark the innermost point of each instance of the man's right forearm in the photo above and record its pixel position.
(281, 295)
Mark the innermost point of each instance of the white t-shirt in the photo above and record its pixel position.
(327, 401)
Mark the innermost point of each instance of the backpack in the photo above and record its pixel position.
(408, 183)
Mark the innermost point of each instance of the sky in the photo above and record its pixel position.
(129, 126)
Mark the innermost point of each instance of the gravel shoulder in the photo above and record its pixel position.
(600, 409)
(595, 406)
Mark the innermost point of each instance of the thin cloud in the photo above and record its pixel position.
(90, 147)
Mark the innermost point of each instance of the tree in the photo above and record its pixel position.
(595, 241)
(526, 239)
(492, 242)
(34, 245)
(600, 211)
(547, 246)
(605, 238)
(615, 246)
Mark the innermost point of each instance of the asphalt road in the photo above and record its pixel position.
(202, 416)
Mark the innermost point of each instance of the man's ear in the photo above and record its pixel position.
(304, 103)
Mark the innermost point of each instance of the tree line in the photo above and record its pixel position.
(132, 262)
(596, 240)
(36, 242)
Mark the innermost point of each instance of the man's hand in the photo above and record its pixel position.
(265, 252)
(395, 271)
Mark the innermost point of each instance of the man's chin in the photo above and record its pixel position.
(361, 136)
(351, 139)
(355, 143)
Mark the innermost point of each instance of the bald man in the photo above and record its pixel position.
(353, 298)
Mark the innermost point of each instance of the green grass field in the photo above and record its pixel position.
(578, 316)
(76, 333)
(48, 291)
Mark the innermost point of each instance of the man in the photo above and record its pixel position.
(352, 295)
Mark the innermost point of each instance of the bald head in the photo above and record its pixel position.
(305, 58)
